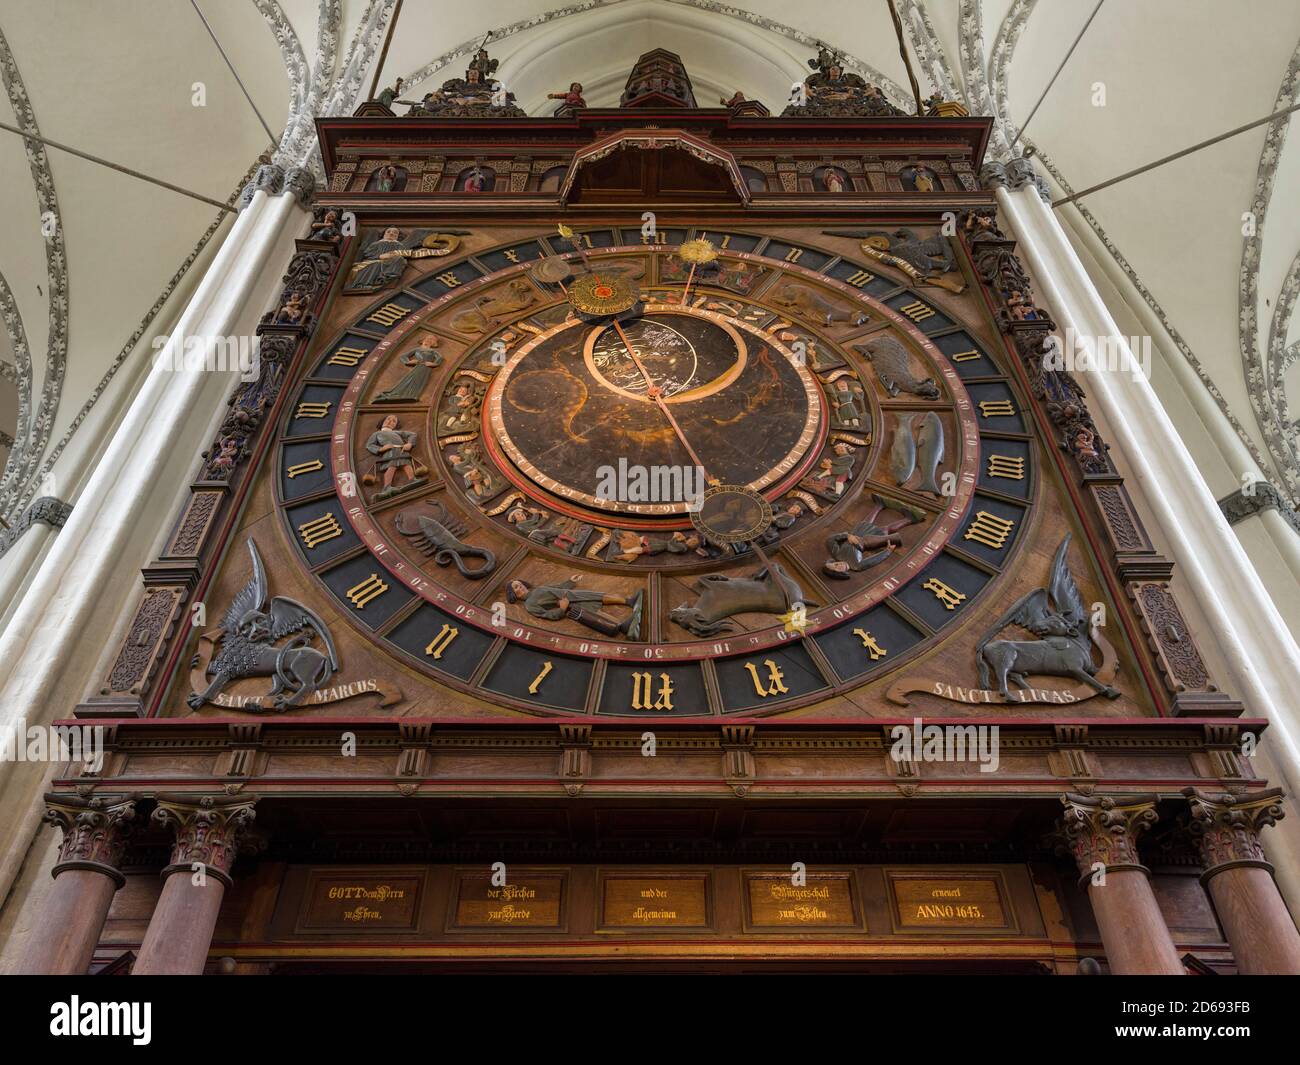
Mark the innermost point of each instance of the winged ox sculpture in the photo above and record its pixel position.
(1057, 616)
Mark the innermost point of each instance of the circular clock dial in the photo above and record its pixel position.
(579, 406)
(485, 449)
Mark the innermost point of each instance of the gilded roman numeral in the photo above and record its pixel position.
(997, 408)
(347, 357)
(643, 692)
(775, 679)
(965, 356)
(318, 530)
(859, 278)
(1013, 469)
(362, 593)
(949, 597)
(989, 530)
(547, 666)
(441, 641)
(869, 642)
(917, 311)
(389, 314)
(299, 468)
(654, 237)
(792, 256)
(313, 410)
(449, 279)
(511, 255)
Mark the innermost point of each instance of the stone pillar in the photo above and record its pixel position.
(1256, 921)
(86, 877)
(209, 834)
(1261, 654)
(1101, 835)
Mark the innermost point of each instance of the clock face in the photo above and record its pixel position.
(770, 478)
(575, 396)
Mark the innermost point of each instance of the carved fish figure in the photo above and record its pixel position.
(902, 453)
(894, 369)
(929, 441)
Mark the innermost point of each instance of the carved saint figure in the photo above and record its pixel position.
(551, 602)
(383, 261)
(1058, 617)
(389, 95)
(246, 645)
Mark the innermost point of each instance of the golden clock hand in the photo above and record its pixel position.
(655, 395)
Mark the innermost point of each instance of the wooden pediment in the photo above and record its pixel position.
(653, 165)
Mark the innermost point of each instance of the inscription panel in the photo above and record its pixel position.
(950, 902)
(648, 901)
(363, 901)
(531, 900)
(826, 901)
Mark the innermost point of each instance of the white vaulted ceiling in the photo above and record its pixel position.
(81, 304)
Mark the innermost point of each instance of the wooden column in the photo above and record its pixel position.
(1256, 921)
(85, 879)
(209, 833)
(1101, 834)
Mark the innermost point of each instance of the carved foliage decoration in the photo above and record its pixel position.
(1227, 829)
(1101, 830)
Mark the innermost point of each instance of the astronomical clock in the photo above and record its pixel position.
(619, 481)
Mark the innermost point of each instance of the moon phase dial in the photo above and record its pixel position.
(630, 418)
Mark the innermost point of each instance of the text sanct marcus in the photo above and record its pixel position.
(102, 1018)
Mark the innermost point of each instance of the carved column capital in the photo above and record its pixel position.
(1015, 174)
(95, 832)
(269, 178)
(210, 831)
(1226, 828)
(1101, 829)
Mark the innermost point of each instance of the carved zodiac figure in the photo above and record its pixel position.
(869, 544)
(392, 446)
(439, 536)
(799, 300)
(551, 602)
(894, 368)
(769, 591)
(1056, 615)
(489, 310)
(422, 362)
(247, 645)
